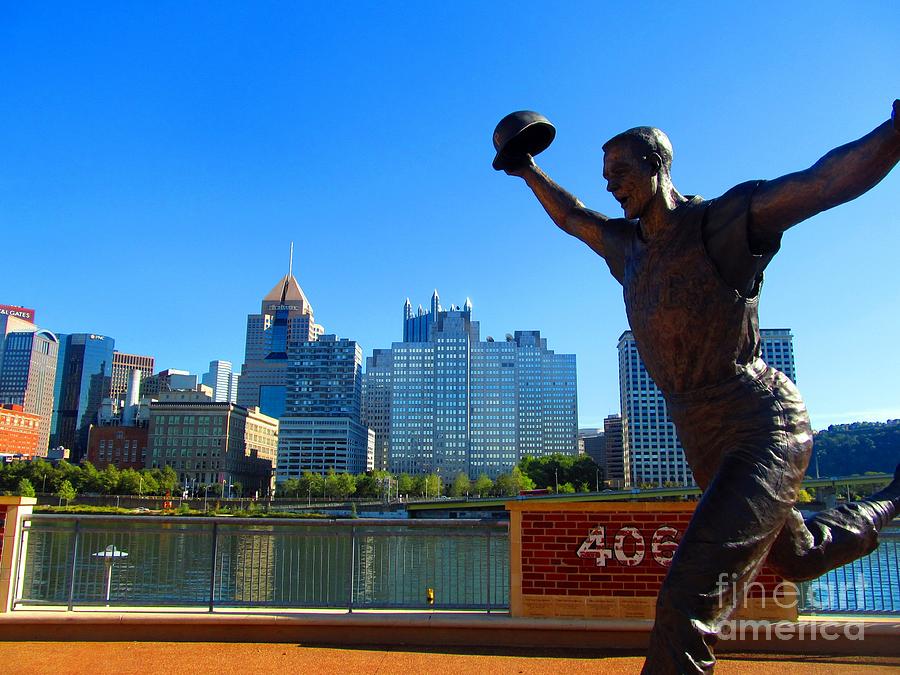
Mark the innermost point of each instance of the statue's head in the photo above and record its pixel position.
(636, 164)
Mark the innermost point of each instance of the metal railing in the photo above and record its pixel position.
(73, 561)
(126, 562)
(870, 585)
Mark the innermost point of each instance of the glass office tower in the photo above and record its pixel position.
(83, 378)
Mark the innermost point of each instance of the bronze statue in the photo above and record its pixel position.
(691, 270)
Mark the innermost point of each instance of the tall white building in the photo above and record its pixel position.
(222, 381)
(650, 442)
(451, 403)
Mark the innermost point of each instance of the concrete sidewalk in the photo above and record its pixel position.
(147, 658)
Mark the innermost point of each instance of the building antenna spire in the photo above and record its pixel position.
(291, 262)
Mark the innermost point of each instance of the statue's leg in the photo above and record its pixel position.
(806, 549)
(735, 524)
(749, 443)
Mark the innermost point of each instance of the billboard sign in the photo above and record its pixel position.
(18, 312)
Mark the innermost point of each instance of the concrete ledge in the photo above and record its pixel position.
(399, 629)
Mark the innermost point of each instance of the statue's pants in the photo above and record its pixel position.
(748, 442)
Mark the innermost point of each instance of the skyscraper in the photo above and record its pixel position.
(285, 316)
(321, 428)
(28, 377)
(222, 381)
(122, 366)
(456, 404)
(83, 379)
(376, 402)
(618, 464)
(649, 438)
(12, 321)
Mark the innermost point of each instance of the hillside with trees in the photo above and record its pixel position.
(858, 448)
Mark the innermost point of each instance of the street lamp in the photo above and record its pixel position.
(556, 476)
(598, 480)
(109, 555)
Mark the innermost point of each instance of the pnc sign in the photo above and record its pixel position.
(18, 312)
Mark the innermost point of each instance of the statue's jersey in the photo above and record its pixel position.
(692, 325)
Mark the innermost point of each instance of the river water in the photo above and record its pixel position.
(289, 565)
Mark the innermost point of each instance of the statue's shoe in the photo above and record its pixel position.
(886, 502)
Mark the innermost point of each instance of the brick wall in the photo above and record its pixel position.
(570, 555)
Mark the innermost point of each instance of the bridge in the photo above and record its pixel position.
(832, 486)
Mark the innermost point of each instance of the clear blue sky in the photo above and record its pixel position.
(159, 157)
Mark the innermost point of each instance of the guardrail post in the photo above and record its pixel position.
(352, 567)
(75, 541)
(12, 510)
(489, 568)
(212, 566)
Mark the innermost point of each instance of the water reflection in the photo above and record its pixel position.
(279, 566)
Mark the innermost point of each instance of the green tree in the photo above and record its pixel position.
(86, 478)
(147, 484)
(42, 475)
(405, 484)
(483, 485)
(11, 474)
(346, 485)
(803, 496)
(309, 485)
(25, 488)
(129, 482)
(166, 480)
(504, 486)
(434, 486)
(237, 489)
(369, 487)
(461, 486)
(313, 485)
(66, 492)
(288, 488)
(522, 482)
(332, 486)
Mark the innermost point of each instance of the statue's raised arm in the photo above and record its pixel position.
(566, 210)
(840, 176)
(518, 137)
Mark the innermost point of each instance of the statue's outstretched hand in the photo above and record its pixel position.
(895, 115)
(522, 167)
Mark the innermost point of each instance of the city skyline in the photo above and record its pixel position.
(364, 136)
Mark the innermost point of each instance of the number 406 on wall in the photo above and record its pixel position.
(629, 547)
